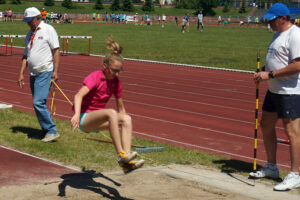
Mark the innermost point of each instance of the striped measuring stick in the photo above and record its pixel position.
(256, 115)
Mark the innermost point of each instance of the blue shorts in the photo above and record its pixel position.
(82, 116)
(286, 106)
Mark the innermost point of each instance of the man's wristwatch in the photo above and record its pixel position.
(271, 74)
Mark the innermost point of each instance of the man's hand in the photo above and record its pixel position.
(54, 76)
(261, 76)
(21, 81)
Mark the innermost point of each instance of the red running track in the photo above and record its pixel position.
(201, 109)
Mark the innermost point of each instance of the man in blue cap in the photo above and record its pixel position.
(283, 96)
(41, 55)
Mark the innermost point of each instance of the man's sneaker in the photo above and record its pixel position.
(132, 165)
(292, 180)
(266, 171)
(124, 158)
(50, 137)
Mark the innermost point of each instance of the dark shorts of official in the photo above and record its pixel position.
(286, 106)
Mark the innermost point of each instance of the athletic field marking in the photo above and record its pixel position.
(183, 100)
(43, 159)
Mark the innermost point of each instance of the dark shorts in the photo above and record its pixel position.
(286, 106)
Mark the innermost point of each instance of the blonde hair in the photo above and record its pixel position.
(116, 51)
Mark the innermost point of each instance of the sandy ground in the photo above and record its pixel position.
(165, 182)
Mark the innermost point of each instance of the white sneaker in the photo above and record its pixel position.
(132, 165)
(291, 181)
(266, 171)
(125, 158)
(50, 137)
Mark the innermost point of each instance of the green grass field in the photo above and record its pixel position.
(226, 47)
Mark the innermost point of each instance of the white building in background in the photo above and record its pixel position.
(163, 2)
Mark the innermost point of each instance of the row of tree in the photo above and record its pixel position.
(207, 5)
(116, 5)
(126, 4)
(12, 1)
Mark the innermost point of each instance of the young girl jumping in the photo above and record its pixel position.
(91, 114)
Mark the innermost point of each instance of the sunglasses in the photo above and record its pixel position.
(115, 71)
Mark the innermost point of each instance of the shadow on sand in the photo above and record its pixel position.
(85, 181)
(232, 166)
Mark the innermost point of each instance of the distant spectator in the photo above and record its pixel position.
(48, 17)
(44, 14)
(248, 20)
(164, 18)
(176, 20)
(136, 18)
(219, 20)
(59, 18)
(143, 19)
(187, 26)
(183, 24)
(112, 17)
(94, 16)
(200, 21)
(10, 15)
(242, 23)
(106, 17)
(122, 17)
(5, 15)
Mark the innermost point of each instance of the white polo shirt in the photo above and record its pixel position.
(284, 48)
(39, 49)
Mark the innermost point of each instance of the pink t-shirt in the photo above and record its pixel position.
(101, 90)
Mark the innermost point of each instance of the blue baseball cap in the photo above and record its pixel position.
(277, 10)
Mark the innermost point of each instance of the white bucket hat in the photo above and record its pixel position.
(30, 14)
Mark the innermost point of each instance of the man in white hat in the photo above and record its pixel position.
(41, 55)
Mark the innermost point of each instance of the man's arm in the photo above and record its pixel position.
(22, 70)
(56, 61)
(290, 69)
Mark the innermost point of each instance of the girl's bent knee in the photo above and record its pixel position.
(112, 113)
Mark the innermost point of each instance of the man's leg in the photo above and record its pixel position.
(292, 180)
(40, 86)
(267, 123)
(292, 129)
